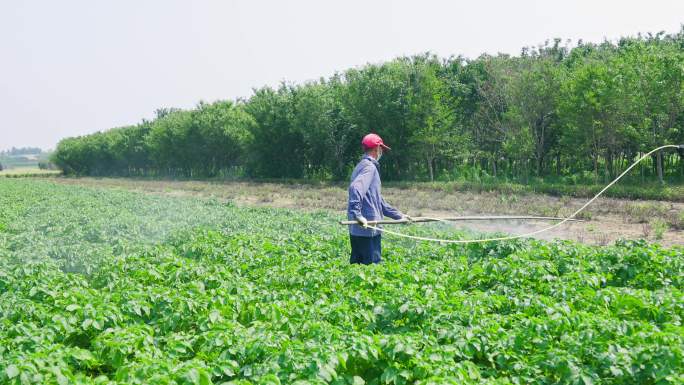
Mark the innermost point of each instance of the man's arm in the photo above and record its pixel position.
(358, 189)
(390, 211)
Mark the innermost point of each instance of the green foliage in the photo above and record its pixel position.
(207, 141)
(554, 110)
(108, 286)
(276, 150)
(659, 227)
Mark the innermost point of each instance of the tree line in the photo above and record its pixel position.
(581, 112)
(14, 151)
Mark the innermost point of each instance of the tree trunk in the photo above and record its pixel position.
(659, 166)
(610, 165)
(430, 169)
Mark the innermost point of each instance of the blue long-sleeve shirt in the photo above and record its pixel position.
(365, 198)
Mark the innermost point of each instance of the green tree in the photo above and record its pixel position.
(533, 100)
(431, 113)
(593, 110)
(490, 78)
(224, 132)
(660, 68)
(376, 100)
(172, 143)
(277, 148)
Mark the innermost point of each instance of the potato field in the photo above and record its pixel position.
(107, 286)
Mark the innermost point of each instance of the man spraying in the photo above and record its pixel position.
(366, 203)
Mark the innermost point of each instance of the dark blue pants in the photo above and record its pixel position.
(365, 250)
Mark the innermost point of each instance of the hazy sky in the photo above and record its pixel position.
(74, 67)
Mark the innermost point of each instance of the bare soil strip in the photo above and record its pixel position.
(608, 219)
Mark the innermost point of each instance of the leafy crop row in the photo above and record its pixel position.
(106, 286)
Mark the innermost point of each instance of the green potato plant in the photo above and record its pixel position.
(104, 286)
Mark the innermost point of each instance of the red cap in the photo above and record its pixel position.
(372, 141)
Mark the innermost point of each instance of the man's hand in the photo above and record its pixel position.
(362, 221)
(408, 218)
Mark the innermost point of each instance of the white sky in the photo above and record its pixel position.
(75, 67)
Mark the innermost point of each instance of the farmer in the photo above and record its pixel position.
(366, 203)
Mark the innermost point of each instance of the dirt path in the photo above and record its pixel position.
(607, 219)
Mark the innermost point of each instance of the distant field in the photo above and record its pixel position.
(23, 158)
(28, 171)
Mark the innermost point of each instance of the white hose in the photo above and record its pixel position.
(427, 239)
